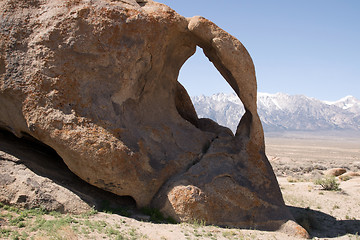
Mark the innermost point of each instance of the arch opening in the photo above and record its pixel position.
(210, 94)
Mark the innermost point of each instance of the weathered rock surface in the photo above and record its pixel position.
(97, 82)
(32, 176)
(335, 172)
(348, 175)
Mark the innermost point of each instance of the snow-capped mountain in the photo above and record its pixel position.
(283, 112)
(349, 103)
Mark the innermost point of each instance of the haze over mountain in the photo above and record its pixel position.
(279, 112)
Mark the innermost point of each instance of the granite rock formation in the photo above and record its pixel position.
(97, 82)
(32, 175)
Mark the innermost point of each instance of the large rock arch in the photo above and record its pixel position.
(97, 81)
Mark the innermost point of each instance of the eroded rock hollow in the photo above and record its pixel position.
(97, 81)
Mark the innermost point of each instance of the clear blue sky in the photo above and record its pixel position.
(309, 47)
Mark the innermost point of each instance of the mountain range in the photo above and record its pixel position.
(283, 112)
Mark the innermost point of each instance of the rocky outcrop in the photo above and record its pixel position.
(97, 82)
(349, 175)
(34, 176)
(334, 172)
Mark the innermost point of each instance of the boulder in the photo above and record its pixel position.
(349, 175)
(97, 82)
(334, 172)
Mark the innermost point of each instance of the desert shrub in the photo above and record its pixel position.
(291, 180)
(198, 223)
(328, 183)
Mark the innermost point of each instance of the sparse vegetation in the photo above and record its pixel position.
(24, 224)
(229, 234)
(328, 184)
(156, 216)
(291, 180)
(198, 223)
(18, 223)
(296, 179)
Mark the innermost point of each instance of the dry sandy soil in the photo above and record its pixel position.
(297, 161)
(300, 159)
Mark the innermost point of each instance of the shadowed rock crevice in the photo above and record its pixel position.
(184, 105)
(243, 128)
(2, 66)
(33, 175)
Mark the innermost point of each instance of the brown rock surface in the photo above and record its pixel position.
(348, 175)
(97, 82)
(32, 176)
(335, 172)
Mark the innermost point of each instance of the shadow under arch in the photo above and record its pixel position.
(322, 225)
(44, 161)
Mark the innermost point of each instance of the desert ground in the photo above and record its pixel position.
(300, 159)
(297, 159)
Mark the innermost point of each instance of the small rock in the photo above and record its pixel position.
(319, 167)
(308, 169)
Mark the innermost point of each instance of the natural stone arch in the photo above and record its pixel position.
(187, 197)
(186, 109)
(199, 73)
(234, 63)
(98, 84)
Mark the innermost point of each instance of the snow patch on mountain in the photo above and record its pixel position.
(349, 103)
(281, 111)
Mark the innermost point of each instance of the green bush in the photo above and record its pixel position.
(328, 183)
